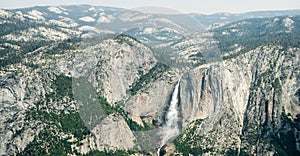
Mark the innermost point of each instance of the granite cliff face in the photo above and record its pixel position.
(80, 93)
(240, 102)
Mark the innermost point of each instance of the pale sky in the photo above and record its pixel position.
(185, 6)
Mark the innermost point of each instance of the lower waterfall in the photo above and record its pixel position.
(171, 128)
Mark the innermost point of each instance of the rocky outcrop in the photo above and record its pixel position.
(18, 93)
(124, 64)
(113, 133)
(112, 64)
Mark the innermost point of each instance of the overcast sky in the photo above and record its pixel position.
(186, 6)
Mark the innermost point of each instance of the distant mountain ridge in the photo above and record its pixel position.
(205, 19)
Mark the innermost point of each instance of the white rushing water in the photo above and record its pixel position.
(171, 128)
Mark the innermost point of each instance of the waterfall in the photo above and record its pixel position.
(170, 128)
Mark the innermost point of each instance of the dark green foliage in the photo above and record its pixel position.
(119, 110)
(63, 86)
(277, 85)
(18, 132)
(297, 94)
(232, 152)
(153, 74)
(197, 55)
(256, 33)
(123, 38)
(32, 65)
(107, 153)
(162, 152)
(16, 24)
(11, 56)
(136, 127)
(72, 123)
(284, 141)
(186, 149)
(108, 109)
(243, 153)
(67, 123)
(47, 143)
(61, 47)
(186, 143)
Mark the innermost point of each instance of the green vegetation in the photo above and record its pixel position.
(62, 86)
(188, 142)
(198, 54)
(297, 94)
(119, 110)
(136, 127)
(47, 143)
(55, 122)
(256, 33)
(123, 38)
(31, 65)
(72, 123)
(107, 107)
(67, 123)
(11, 56)
(16, 26)
(232, 152)
(63, 46)
(284, 141)
(277, 85)
(109, 153)
(153, 74)
(243, 153)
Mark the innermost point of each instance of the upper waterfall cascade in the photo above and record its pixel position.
(171, 128)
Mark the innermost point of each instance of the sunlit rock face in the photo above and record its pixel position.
(242, 97)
